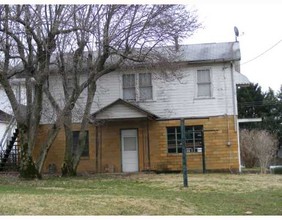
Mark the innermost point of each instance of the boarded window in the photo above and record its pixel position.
(128, 84)
(75, 135)
(204, 83)
(145, 86)
(194, 139)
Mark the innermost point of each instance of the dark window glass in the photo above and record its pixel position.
(193, 135)
(75, 135)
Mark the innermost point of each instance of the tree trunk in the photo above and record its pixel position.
(27, 169)
(52, 134)
(67, 166)
(84, 124)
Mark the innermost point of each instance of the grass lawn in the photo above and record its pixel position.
(143, 194)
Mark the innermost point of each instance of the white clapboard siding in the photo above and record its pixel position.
(175, 98)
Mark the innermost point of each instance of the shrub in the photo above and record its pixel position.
(258, 146)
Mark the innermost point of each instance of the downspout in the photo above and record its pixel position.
(239, 151)
(236, 124)
(97, 148)
(226, 109)
(233, 96)
(148, 144)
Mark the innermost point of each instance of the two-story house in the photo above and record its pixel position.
(136, 116)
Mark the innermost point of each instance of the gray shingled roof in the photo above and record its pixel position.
(193, 53)
(210, 52)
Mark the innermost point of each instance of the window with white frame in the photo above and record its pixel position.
(204, 83)
(145, 86)
(137, 87)
(128, 84)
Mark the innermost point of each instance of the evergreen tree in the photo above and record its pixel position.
(253, 103)
(250, 104)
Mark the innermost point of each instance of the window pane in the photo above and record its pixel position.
(204, 90)
(189, 134)
(128, 84)
(204, 83)
(145, 93)
(171, 141)
(129, 143)
(145, 79)
(203, 76)
(170, 130)
(75, 136)
(129, 94)
(128, 80)
(198, 128)
(145, 86)
(171, 149)
(179, 149)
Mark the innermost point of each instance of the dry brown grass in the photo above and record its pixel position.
(238, 183)
(143, 194)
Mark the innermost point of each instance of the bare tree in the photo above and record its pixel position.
(128, 34)
(259, 145)
(28, 36)
(81, 43)
(248, 156)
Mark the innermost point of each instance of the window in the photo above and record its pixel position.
(145, 86)
(128, 83)
(137, 87)
(204, 83)
(75, 135)
(194, 139)
(173, 140)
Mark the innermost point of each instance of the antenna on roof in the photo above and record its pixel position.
(236, 33)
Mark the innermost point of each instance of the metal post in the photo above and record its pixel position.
(203, 154)
(184, 162)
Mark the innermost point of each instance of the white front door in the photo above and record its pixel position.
(129, 144)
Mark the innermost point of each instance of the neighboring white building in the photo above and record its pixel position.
(4, 122)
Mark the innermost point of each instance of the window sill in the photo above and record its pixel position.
(139, 101)
(203, 98)
(146, 101)
(180, 154)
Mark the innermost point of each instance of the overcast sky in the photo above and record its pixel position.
(260, 26)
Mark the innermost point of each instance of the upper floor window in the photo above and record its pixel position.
(204, 83)
(128, 84)
(145, 86)
(137, 86)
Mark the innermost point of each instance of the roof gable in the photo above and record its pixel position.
(121, 109)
